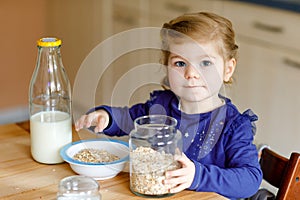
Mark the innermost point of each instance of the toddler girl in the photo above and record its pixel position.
(200, 54)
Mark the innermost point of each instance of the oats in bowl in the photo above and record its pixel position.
(115, 152)
(95, 156)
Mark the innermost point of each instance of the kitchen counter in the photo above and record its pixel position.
(289, 5)
(23, 178)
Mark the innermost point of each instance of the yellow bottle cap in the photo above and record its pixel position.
(49, 42)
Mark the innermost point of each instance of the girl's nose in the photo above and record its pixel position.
(191, 72)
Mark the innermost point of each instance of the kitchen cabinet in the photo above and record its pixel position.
(122, 17)
(267, 82)
(161, 11)
(268, 72)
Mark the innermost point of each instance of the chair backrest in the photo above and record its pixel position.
(282, 173)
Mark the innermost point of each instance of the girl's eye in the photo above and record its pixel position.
(180, 64)
(205, 63)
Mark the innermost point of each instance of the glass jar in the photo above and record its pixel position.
(155, 144)
(49, 104)
(78, 188)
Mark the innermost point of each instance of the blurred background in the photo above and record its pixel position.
(266, 80)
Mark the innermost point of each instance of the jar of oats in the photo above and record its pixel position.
(155, 144)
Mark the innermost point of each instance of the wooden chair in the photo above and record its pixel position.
(282, 173)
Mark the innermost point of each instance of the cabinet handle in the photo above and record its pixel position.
(176, 7)
(268, 27)
(291, 63)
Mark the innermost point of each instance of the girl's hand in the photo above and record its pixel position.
(182, 178)
(99, 119)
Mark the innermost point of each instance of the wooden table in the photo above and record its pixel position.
(22, 178)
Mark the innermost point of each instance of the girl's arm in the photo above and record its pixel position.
(121, 118)
(240, 177)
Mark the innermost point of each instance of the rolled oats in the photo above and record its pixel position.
(148, 169)
(95, 156)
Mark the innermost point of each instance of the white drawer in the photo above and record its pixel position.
(135, 4)
(275, 26)
(162, 11)
(125, 18)
(174, 8)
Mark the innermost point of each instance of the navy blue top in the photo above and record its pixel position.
(219, 142)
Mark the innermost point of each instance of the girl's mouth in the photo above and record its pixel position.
(192, 86)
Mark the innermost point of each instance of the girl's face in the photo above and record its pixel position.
(196, 71)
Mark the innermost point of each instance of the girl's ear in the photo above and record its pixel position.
(229, 69)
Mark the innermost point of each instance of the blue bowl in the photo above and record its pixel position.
(98, 171)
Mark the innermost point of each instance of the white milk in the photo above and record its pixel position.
(49, 132)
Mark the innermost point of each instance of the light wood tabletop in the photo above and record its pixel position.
(22, 178)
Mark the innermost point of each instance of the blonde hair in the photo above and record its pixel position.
(202, 27)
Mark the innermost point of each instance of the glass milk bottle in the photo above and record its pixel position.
(155, 145)
(49, 104)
